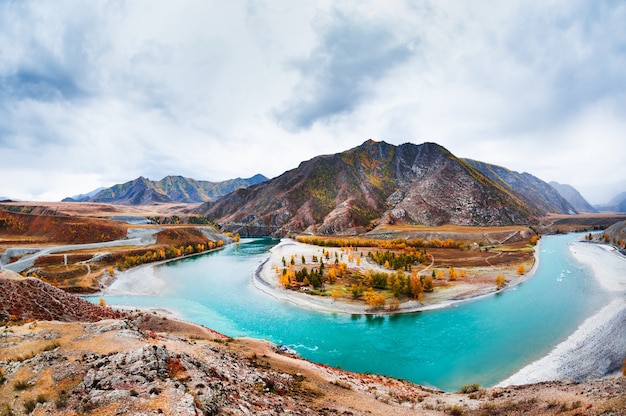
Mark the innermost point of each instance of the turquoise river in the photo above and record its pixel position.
(482, 341)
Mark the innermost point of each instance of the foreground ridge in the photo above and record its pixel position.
(145, 363)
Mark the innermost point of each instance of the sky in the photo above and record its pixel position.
(94, 93)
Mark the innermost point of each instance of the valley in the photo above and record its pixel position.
(373, 231)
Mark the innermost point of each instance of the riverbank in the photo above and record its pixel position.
(598, 347)
(264, 278)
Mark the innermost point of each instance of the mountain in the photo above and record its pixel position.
(617, 204)
(573, 197)
(527, 187)
(82, 197)
(143, 191)
(379, 183)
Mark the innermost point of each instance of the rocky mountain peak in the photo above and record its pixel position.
(377, 183)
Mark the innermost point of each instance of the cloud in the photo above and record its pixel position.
(354, 53)
(113, 90)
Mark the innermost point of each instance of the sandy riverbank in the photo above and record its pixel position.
(597, 348)
(266, 280)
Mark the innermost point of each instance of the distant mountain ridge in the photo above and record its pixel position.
(527, 187)
(616, 204)
(573, 197)
(143, 191)
(378, 183)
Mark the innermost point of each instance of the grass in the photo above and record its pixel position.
(52, 346)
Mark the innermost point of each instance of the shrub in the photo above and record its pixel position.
(21, 385)
(29, 406)
(470, 388)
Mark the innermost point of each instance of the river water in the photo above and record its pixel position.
(482, 341)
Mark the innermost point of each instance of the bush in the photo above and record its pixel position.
(21, 385)
(469, 388)
(29, 406)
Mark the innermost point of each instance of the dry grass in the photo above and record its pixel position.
(450, 228)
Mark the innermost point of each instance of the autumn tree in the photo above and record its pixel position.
(416, 287)
(428, 284)
(357, 290)
(452, 273)
(500, 281)
(520, 269)
(332, 275)
(374, 300)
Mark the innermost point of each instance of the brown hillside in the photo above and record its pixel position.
(29, 298)
(58, 229)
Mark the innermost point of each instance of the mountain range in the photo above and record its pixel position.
(356, 190)
(379, 183)
(617, 204)
(573, 197)
(143, 191)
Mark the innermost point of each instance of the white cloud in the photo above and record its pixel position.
(107, 91)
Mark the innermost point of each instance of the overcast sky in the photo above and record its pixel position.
(94, 93)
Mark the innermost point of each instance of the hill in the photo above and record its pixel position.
(379, 183)
(27, 298)
(617, 204)
(143, 191)
(574, 197)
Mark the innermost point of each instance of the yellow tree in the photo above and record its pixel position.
(452, 273)
(428, 284)
(520, 269)
(439, 274)
(374, 299)
(500, 281)
(332, 275)
(416, 286)
(335, 294)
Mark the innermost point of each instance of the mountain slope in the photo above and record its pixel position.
(526, 187)
(373, 183)
(143, 191)
(573, 197)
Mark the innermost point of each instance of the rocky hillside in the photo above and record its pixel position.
(574, 197)
(150, 365)
(29, 298)
(530, 189)
(379, 183)
(143, 191)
